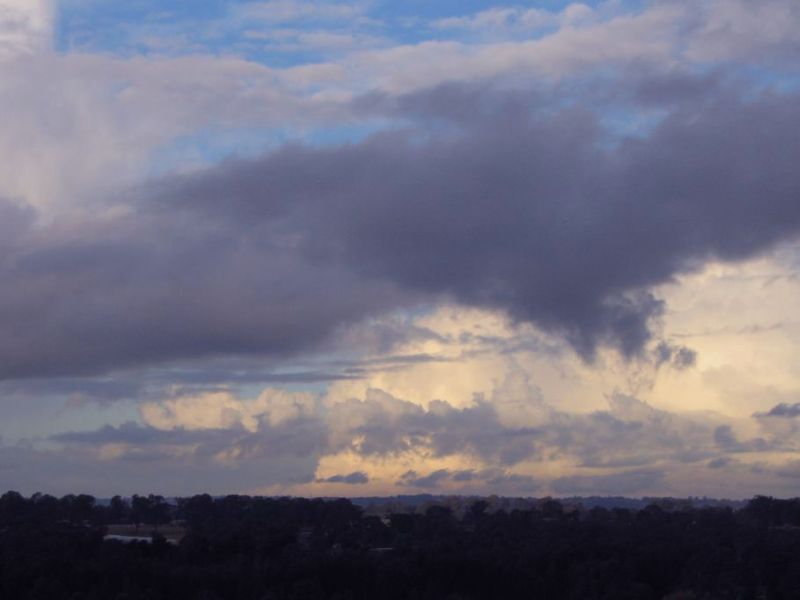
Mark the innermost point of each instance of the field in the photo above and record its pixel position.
(171, 532)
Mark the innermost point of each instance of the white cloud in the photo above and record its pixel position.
(25, 27)
(742, 29)
(224, 410)
(85, 126)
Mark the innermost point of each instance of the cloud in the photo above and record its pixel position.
(380, 429)
(224, 410)
(135, 457)
(494, 479)
(781, 411)
(302, 437)
(284, 439)
(500, 19)
(526, 211)
(514, 483)
(629, 434)
(355, 478)
(726, 439)
(742, 30)
(789, 470)
(566, 204)
(719, 463)
(622, 483)
(464, 475)
(679, 357)
(97, 124)
(25, 27)
(499, 211)
(131, 296)
(381, 425)
(781, 424)
(660, 34)
(430, 481)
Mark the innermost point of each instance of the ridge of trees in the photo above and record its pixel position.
(241, 547)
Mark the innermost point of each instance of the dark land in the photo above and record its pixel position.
(414, 547)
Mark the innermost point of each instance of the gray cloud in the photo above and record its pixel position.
(300, 436)
(179, 460)
(143, 291)
(727, 440)
(625, 482)
(430, 481)
(513, 482)
(790, 470)
(355, 478)
(719, 463)
(525, 209)
(630, 445)
(465, 475)
(182, 463)
(79, 390)
(514, 203)
(490, 480)
(630, 434)
(382, 425)
(781, 411)
(679, 357)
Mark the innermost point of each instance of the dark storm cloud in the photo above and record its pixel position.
(137, 290)
(487, 199)
(528, 210)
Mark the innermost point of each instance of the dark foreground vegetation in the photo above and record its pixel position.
(280, 549)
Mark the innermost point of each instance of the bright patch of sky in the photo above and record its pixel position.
(283, 33)
(211, 146)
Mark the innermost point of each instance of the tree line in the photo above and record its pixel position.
(241, 547)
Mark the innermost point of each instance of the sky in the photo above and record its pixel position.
(352, 248)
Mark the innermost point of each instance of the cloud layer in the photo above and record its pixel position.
(520, 206)
(465, 246)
